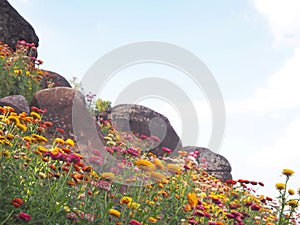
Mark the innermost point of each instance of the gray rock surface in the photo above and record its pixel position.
(218, 166)
(18, 102)
(142, 120)
(53, 79)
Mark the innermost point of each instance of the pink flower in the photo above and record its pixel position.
(132, 151)
(167, 150)
(24, 216)
(134, 222)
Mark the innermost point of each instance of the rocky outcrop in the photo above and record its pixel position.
(13, 27)
(142, 120)
(52, 79)
(18, 102)
(217, 165)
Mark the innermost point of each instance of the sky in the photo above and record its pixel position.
(251, 47)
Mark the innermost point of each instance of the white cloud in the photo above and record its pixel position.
(283, 18)
(280, 92)
(283, 153)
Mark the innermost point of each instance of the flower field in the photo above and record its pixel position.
(47, 181)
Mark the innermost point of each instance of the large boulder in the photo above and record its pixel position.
(217, 165)
(13, 27)
(142, 120)
(18, 102)
(59, 105)
(52, 79)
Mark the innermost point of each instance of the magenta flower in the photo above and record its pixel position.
(167, 150)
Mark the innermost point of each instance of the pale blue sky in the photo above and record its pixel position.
(250, 46)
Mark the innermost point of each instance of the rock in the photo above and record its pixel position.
(53, 79)
(218, 166)
(58, 102)
(13, 27)
(18, 102)
(142, 120)
(66, 109)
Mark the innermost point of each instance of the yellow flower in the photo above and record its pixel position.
(280, 186)
(157, 177)
(152, 220)
(14, 119)
(70, 142)
(133, 205)
(21, 127)
(42, 175)
(35, 115)
(291, 191)
(293, 203)
(42, 149)
(108, 175)
(114, 212)
(5, 154)
(287, 172)
(192, 199)
(158, 164)
(125, 200)
(145, 165)
(172, 168)
(59, 141)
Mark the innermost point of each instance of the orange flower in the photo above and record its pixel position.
(192, 199)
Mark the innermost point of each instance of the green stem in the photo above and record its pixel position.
(7, 218)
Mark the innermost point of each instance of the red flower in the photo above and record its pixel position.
(17, 202)
(255, 207)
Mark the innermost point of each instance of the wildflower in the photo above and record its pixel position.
(172, 168)
(125, 200)
(255, 207)
(166, 150)
(157, 177)
(134, 222)
(42, 175)
(192, 199)
(152, 220)
(114, 212)
(291, 191)
(22, 127)
(108, 175)
(59, 141)
(17, 202)
(293, 203)
(133, 205)
(158, 164)
(132, 151)
(24, 216)
(287, 172)
(145, 164)
(280, 186)
(69, 142)
(14, 119)
(35, 115)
